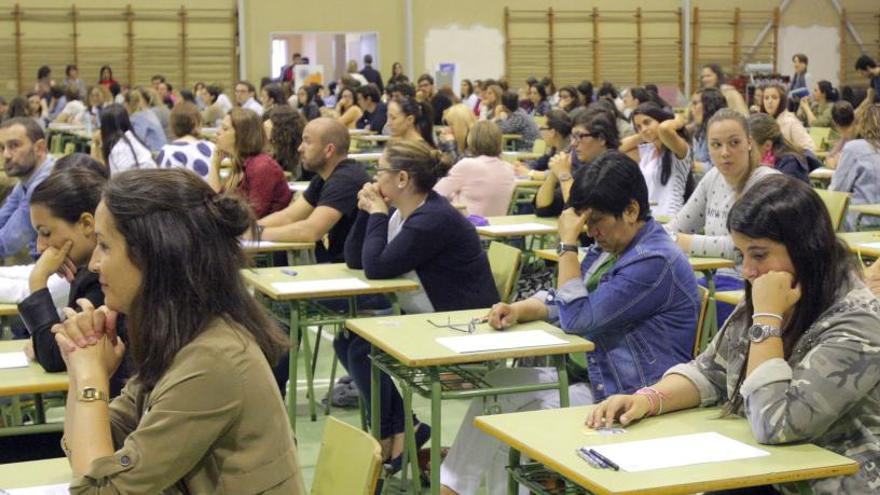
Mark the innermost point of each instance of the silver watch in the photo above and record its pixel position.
(759, 333)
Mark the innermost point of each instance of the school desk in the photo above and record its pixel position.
(34, 474)
(406, 348)
(305, 310)
(562, 431)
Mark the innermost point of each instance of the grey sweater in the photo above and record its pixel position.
(705, 216)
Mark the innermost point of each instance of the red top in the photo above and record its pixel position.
(107, 82)
(264, 185)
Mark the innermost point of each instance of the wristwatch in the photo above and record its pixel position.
(566, 247)
(564, 177)
(759, 333)
(91, 394)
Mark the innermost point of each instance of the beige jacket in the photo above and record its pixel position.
(214, 424)
(794, 131)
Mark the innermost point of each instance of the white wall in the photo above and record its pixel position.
(476, 51)
(821, 45)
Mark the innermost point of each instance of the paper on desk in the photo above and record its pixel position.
(328, 285)
(675, 451)
(13, 360)
(870, 245)
(518, 227)
(61, 489)
(499, 340)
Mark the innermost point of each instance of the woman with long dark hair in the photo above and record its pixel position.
(712, 76)
(798, 358)
(284, 128)
(816, 111)
(665, 157)
(775, 104)
(120, 148)
(704, 104)
(411, 120)
(202, 412)
(255, 175)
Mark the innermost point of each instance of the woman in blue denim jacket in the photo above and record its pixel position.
(634, 295)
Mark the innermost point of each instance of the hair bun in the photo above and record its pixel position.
(233, 217)
(441, 162)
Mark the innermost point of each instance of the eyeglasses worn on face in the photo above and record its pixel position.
(379, 170)
(577, 136)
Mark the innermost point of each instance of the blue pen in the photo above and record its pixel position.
(583, 454)
(288, 271)
(608, 462)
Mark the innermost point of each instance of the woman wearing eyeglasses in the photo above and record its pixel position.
(423, 238)
(594, 132)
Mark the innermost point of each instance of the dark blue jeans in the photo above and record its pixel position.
(724, 283)
(353, 352)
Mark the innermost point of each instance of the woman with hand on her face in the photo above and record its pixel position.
(255, 175)
(347, 110)
(63, 214)
(424, 238)
(798, 357)
(665, 157)
(594, 132)
(202, 412)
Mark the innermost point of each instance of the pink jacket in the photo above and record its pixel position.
(793, 130)
(484, 185)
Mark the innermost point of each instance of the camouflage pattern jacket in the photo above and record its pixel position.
(826, 393)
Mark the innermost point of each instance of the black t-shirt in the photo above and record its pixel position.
(375, 119)
(340, 193)
(439, 103)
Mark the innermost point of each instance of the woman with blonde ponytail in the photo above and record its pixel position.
(405, 229)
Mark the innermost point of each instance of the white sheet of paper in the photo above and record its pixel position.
(870, 245)
(518, 227)
(61, 489)
(328, 285)
(499, 340)
(248, 243)
(13, 360)
(293, 186)
(675, 451)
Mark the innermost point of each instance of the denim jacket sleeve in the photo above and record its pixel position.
(634, 292)
(15, 223)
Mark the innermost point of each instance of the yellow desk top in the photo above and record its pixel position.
(822, 173)
(561, 431)
(365, 157)
(263, 278)
(698, 264)
(35, 473)
(519, 155)
(527, 183)
(8, 310)
(273, 246)
(376, 138)
(857, 241)
(413, 341)
(516, 220)
(730, 296)
(298, 186)
(872, 210)
(30, 380)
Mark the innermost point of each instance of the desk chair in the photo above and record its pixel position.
(505, 262)
(701, 339)
(836, 202)
(820, 136)
(350, 461)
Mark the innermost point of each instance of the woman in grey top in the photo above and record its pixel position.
(798, 357)
(858, 171)
(700, 227)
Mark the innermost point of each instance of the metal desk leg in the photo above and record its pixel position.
(710, 322)
(513, 460)
(436, 425)
(410, 450)
(310, 382)
(562, 377)
(374, 397)
(292, 365)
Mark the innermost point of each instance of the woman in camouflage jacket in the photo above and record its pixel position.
(800, 356)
